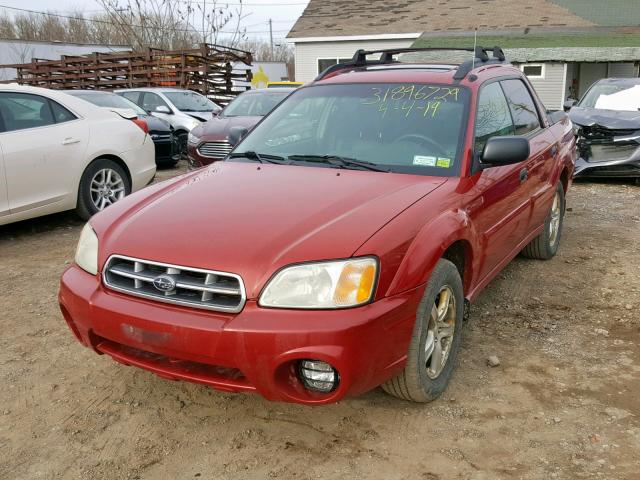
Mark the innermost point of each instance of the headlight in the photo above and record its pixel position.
(192, 139)
(87, 251)
(193, 123)
(335, 284)
(576, 130)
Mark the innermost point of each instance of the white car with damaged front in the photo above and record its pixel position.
(58, 152)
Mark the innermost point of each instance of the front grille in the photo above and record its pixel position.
(214, 149)
(157, 137)
(604, 153)
(163, 282)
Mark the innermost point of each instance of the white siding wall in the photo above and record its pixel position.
(550, 89)
(589, 74)
(623, 70)
(307, 54)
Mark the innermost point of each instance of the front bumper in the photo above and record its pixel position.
(625, 168)
(608, 156)
(256, 350)
(167, 150)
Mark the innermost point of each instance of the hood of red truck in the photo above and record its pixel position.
(252, 219)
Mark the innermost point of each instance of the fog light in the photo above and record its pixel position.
(318, 376)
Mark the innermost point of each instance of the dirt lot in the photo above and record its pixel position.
(563, 403)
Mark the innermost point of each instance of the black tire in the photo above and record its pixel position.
(181, 142)
(415, 383)
(545, 245)
(86, 206)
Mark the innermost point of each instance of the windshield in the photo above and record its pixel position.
(611, 96)
(191, 102)
(407, 128)
(253, 104)
(110, 100)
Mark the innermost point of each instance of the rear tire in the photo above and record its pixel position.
(545, 245)
(103, 183)
(427, 373)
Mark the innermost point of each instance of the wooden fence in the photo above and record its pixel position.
(207, 69)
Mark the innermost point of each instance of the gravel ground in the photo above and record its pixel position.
(562, 402)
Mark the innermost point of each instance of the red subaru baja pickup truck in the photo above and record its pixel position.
(338, 245)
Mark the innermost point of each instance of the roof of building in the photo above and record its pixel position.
(328, 18)
(595, 44)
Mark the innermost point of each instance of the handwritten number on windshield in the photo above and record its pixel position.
(409, 98)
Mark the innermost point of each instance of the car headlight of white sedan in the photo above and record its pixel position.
(87, 251)
(322, 285)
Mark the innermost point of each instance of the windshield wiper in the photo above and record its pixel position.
(339, 161)
(260, 157)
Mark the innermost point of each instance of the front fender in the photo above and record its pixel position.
(430, 244)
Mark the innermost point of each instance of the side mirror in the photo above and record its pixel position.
(505, 151)
(236, 134)
(569, 104)
(162, 109)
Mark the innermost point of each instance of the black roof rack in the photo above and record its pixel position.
(480, 58)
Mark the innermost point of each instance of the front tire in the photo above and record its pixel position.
(181, 142)
(103, 183)
(435, 340)
(545, 245)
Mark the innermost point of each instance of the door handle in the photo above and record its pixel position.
(524, 174)
(554, 150)
(70, 141)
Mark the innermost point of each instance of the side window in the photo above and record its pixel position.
(493, 117)
(25, 110)
(150, 101)
(523, 108)
(61, 114)
(133, 96)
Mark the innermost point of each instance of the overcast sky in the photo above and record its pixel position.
(283, 12)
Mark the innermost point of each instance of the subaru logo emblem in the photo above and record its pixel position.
(164, 283)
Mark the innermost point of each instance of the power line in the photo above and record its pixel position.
(107, 22)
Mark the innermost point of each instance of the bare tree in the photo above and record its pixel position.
(263, 52)
(19, 52)
(7, 29)
(174, 24)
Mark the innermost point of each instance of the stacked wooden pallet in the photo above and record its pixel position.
(211, 70)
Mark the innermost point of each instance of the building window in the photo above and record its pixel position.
(533, 70)
(324, 63)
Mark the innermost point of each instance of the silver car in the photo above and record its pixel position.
(183, 109)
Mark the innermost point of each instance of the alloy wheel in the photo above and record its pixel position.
(554, 223)
(442, 324)
(107, 187)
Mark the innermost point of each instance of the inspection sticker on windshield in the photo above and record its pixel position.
(424, 161)
(443, 162)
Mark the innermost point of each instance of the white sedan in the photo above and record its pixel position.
(58, 152)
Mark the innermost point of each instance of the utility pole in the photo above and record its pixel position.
(271, 36)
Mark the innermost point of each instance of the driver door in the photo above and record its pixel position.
(500, 205)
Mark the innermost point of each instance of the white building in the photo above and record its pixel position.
(562, 45)
(22, 51)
